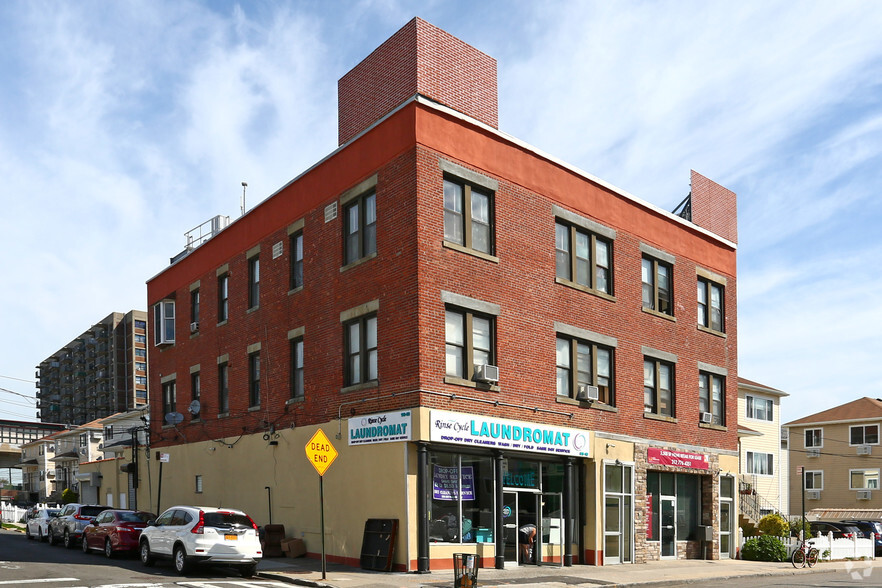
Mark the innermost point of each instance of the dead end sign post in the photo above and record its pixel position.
(321, 455)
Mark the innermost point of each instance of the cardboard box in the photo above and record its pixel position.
(293, 547)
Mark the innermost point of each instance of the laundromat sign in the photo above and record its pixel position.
(479, 431)
(380, 428)
(680, 459)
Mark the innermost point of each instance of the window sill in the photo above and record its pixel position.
(358, 262)
(583, 288)
(195, 420)
(710, 331)
(712, 427)
(223, 415)
(362, 386)
(470, 384)
(194, 335)
(659, 417)
(596, 404)
(468, 251)
(667, 317)
(222, 323)
(293, 291)
(253, 408)
(295, 400)
(253, 309)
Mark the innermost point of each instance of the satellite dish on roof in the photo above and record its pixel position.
(194, 407)
(174, 418)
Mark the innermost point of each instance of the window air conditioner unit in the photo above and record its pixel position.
(865, 449)
(707, 417)
(486, 373)
(590, 393)
(82, 451)
(813, 452)
(813, 494)
(194, 327)
(865, 494)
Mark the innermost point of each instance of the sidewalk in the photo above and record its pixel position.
(307, 572)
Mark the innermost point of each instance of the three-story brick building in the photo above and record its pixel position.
(490, 336)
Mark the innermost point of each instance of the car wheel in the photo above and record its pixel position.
(85, 544)
(181, 563)
(40, 535)
(248, 571)
(68, 540)
(108, 549)
(28, 533)
(146, 556)
(52, 539)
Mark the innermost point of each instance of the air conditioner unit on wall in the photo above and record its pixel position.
(864, 494)
(707, 417)
(194, 327)
(587, 392)
(815, 452)
(486, 373)
(864, 450)
(813, 494)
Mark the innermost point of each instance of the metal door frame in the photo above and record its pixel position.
(672, 500)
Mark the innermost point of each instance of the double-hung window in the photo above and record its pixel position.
(760, 464)
(194, 309)
(584, 359)
(164, 322)
(863, 479)
(296, 254)
(195, 392)
(468, 208)
(360, 227)
(658, 387)
(254, 379)
(169, 396)
(657, 275)
(254, 281)
(223, 386)
(360, 343)
(864, 435)
(296, 350)
(583, 258)
(469, 341)
(712, 396)
(223, 297)
(759, 408)
(814, 480)
(711, 305)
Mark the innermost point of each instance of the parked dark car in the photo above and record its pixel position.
(68, 526)
(868, 527)
(839, 530)
(114, 530)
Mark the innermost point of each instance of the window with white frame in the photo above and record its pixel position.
(164, 322)
(863, 479)
(759, 408)
(761, 464)
(814, 438)
(814, 480)
(863, 435)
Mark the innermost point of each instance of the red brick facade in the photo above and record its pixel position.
(418, 59)
(714, 207)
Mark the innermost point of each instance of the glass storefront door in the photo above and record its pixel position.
(668, 527)
(510, 526)
(618, 518)
(725, 528)
(551, 534)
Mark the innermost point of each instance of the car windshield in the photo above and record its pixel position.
(52, 513)
(227, 520)
(92, 511)
(136, 517)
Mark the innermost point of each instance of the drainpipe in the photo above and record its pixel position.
(422, 508)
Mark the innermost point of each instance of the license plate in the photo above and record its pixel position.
(231, 537)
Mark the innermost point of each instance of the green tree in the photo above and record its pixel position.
(69, 496)
(796, 524)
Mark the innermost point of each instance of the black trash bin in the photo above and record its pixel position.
(465, 570)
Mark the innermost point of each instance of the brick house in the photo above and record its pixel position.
(490, 337)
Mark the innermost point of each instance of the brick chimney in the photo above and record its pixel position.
(714, 207)
(419, 59)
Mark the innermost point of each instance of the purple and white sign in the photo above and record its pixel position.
(445, 483)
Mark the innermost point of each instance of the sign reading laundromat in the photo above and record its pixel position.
(481, 431)
(380, 428)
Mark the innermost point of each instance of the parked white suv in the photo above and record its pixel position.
(202, 535)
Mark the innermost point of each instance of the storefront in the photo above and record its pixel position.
(483, 474)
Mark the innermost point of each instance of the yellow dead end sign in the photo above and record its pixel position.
(320, 452)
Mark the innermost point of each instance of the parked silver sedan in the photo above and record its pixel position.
(37, 525)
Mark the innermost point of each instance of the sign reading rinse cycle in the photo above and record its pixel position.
(380, 428)
(480, 431)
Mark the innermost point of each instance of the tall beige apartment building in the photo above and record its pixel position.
(101, 372)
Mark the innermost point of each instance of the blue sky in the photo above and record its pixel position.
(125, 124)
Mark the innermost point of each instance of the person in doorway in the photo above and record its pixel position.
(526, 538)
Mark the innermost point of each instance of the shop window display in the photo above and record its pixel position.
(462, 498)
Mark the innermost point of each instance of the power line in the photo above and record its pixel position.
(26, 397)
(17, 379)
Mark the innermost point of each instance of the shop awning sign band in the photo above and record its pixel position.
(680, 459)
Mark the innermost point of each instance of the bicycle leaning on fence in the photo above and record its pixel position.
(805, 553)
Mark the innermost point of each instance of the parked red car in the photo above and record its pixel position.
(115, 530)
